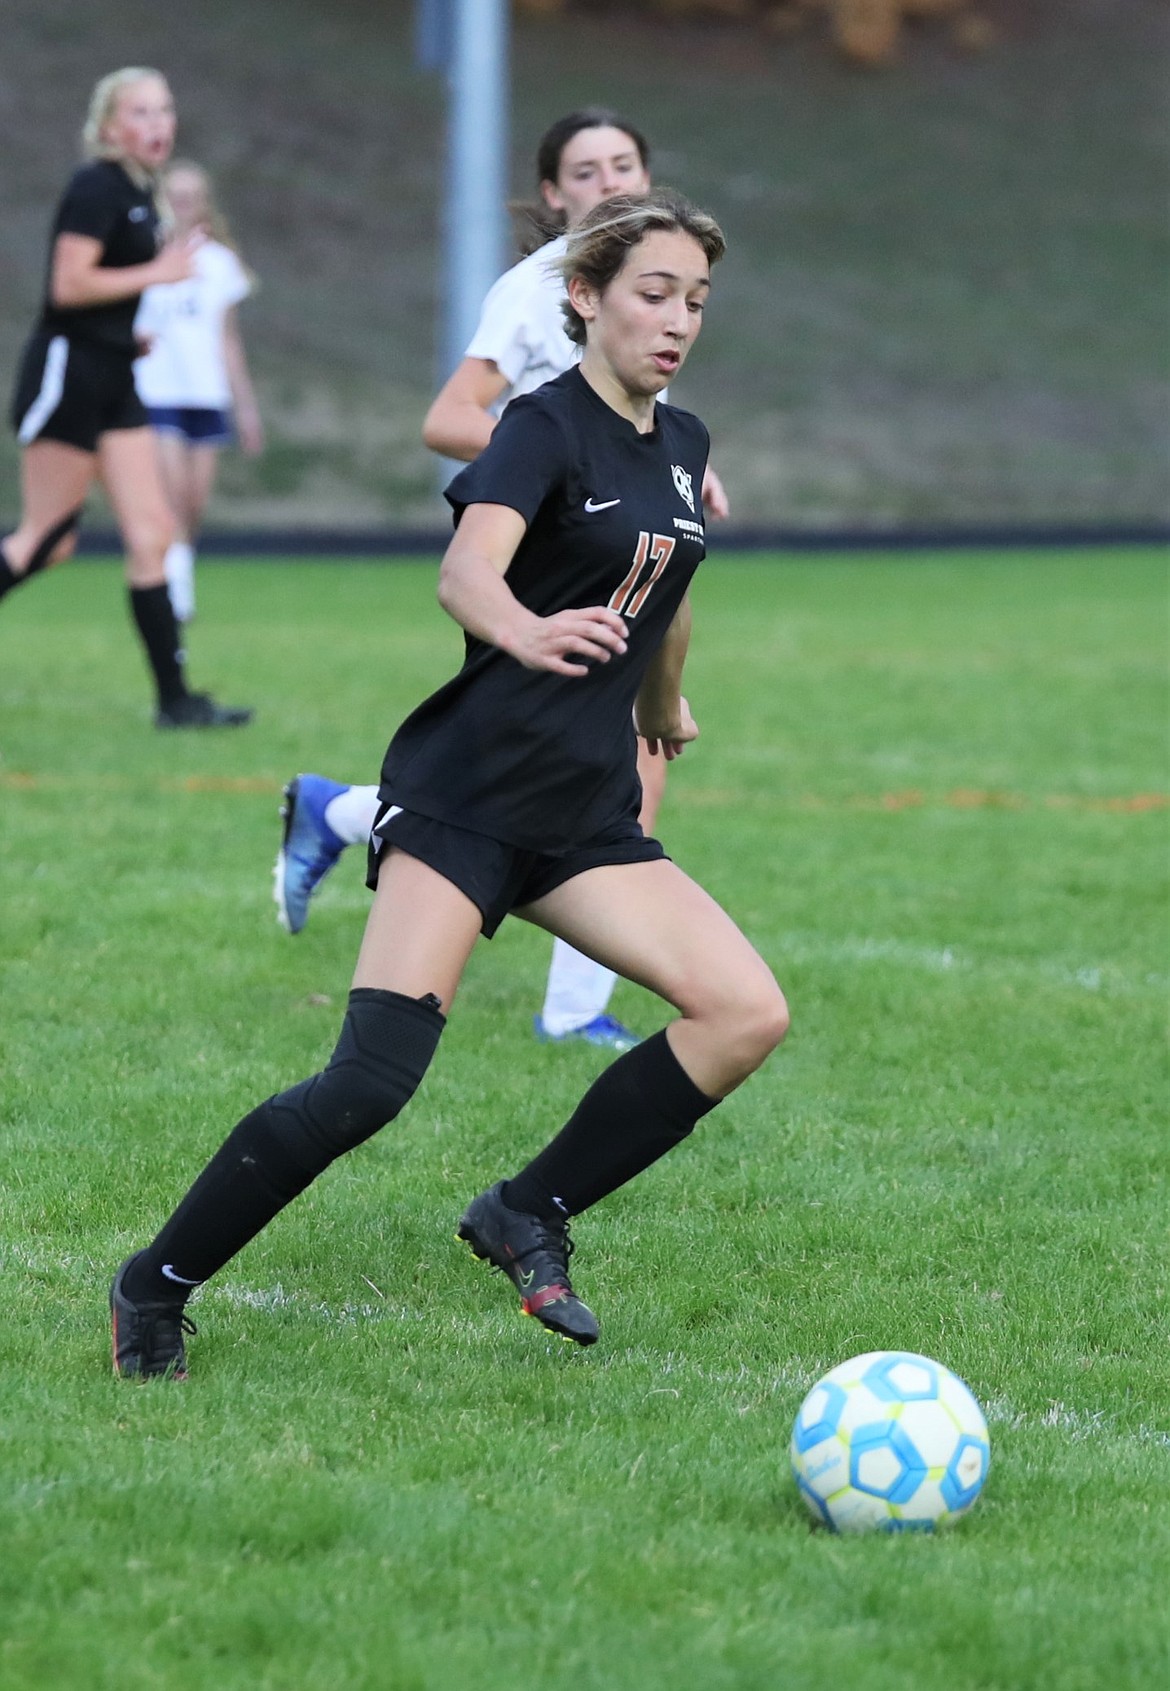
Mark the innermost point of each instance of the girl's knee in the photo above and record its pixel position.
(146, 540)
(765, 1021)
(748, 1018)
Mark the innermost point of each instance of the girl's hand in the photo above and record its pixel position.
(669, 738)
(251, 433)
(570, 642)
(176, 260)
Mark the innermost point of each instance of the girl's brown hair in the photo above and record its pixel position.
(605, 237)
(538, 222)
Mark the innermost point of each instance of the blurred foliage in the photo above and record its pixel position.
(866, 32)
(944, 295)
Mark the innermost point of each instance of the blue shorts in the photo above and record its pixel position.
(198, 425)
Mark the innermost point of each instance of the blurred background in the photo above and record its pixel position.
(945, 300)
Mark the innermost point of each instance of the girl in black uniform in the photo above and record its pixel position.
(75, 410)
(514, 789)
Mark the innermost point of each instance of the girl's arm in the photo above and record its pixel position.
(77, 279)
(247, 412)
(661, 714)
(715, 501)
(472, 589)
(459, 423)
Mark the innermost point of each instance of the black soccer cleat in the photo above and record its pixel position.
(534, 1254)
(148, 1337)
(199, 710)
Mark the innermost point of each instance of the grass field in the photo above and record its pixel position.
(932, 790)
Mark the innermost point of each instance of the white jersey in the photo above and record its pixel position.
(186, 366)
(522, 328)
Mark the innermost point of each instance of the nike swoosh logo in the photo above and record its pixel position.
(524, 1279)
(591, 505)
(171, 1275)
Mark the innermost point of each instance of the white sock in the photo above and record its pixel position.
(179, 564)
(351, 814)
(578, 990)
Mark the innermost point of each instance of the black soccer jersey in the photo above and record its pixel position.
(546, 761)
(101, 201)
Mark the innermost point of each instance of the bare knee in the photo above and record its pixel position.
(739, 1023)
(763, 1020)
(146, 540)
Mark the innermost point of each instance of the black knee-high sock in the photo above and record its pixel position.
(160, 635)
(8, 577)
(385, 1047)
(642, 1106)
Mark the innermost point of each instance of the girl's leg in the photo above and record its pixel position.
(128, 461)
(55, 479)
(203, 465)
(420, 933)
(129, 468)
(188, 472)
(654, 925)
(578, 990)
(174, 454)
(172, 450)
(129, 471)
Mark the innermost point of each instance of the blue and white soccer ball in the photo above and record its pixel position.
(890, 1442)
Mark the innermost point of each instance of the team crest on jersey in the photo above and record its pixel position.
(683, 484)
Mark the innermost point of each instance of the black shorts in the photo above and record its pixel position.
(73, 391)
(495, 876)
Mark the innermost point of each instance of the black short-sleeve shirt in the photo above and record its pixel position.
(614, 517)
(101, 201)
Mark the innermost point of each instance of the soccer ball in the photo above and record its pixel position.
(890, 1442)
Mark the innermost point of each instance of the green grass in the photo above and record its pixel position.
(928, 788)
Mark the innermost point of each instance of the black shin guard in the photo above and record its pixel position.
(639, 1108)
(42, 553)
(386, 1044)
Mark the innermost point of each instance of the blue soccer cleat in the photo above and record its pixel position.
(308, 850)
(602, 1030)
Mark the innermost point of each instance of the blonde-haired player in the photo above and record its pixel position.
(75, 409)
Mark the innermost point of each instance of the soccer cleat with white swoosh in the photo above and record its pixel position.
(148, 1334)
(534, 1254)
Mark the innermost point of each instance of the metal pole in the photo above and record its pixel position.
(475, 221)
(430, 33)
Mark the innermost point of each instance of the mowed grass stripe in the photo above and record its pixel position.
(379, 1474)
